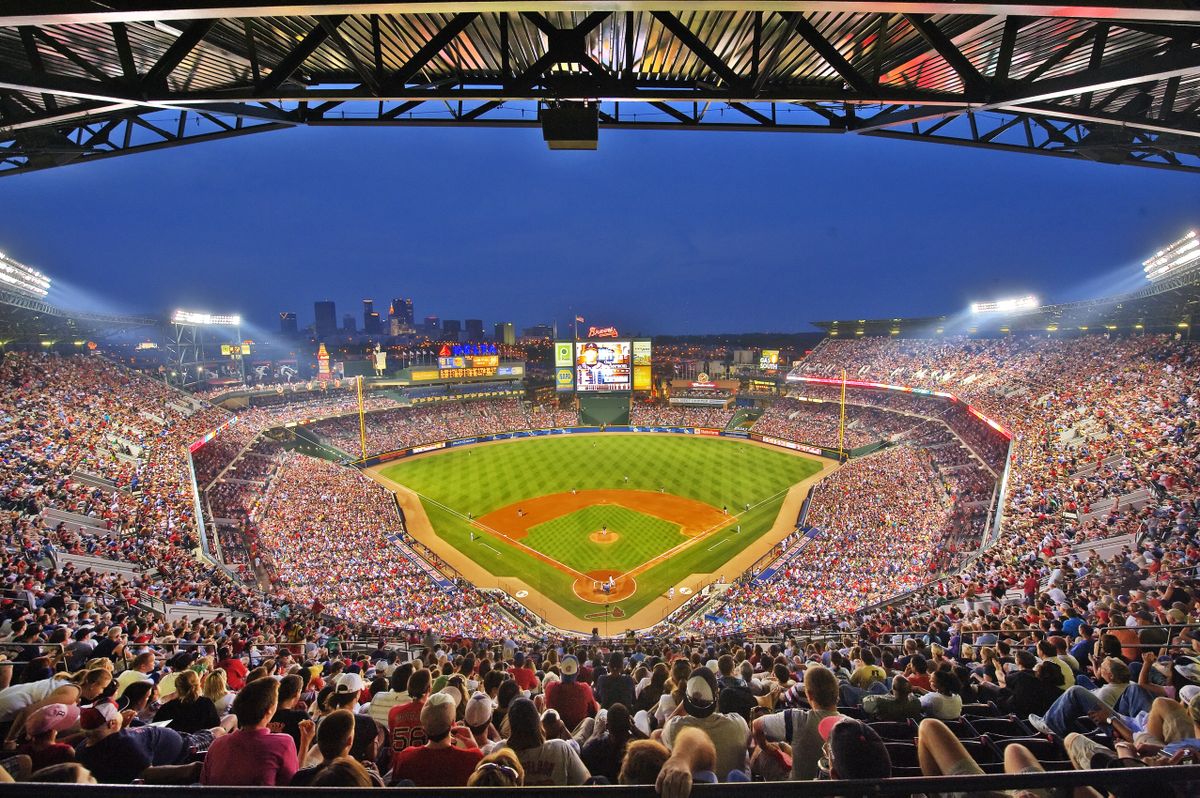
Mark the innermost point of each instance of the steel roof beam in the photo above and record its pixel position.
(73, 12)
(973, 82)
(831, 54)
(298, 55)
(1173, 63)
(702, 51)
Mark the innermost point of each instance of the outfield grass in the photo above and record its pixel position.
(566, 538)
(719, 472)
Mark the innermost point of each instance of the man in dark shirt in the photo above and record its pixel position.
(735, 695)
(287, 717)
(616, 686)
(118, 756)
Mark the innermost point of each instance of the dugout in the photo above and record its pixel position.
(605, 409)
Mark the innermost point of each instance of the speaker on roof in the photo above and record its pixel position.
(571, 126)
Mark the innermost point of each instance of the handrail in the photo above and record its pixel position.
(1104, 779)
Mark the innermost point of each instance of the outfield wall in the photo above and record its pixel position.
(387, 457)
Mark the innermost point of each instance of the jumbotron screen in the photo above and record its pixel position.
(602, 366)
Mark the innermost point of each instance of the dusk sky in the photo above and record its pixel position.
(654, 232)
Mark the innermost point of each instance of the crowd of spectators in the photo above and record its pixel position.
(658, 415)
(1036, 625)
(877, 522)
(404, 427)
(820, 423)
(323, 534)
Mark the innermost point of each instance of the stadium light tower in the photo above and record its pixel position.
(21, 279)
(1011, 305)
(185, 348)
(1174, 259)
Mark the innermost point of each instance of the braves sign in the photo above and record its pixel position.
(602, 332)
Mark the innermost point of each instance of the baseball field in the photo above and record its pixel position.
(599, 524)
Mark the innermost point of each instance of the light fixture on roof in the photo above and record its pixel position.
(205, 319)
(1181, 255)
(1012, 305)
(18, 277)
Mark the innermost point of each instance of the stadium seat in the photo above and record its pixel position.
(895, 730)
(904, 758)
(1000, 728)
(962, 729)
(985, 710)
(853, 712)
(1045, 750)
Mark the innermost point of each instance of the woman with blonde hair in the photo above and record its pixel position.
(216, 689)
(19, 701)
(501, 768)
(188, 711)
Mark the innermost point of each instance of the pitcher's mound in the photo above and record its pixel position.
(591, 587)
(604, 537)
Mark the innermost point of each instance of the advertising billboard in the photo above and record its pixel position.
(641, 366)
(769, 360)
(564, 366)
(603, 366)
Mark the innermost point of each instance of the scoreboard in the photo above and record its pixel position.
(602, 366)
(481, 360)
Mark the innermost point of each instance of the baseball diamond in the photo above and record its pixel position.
(598, 519)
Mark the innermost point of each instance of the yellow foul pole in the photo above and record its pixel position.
(363, 423)
(842, 424)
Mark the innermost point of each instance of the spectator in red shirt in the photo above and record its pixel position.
(252, 755)
(523, 673)
(572, 699)
(439, 762)
(404, 720)
(235, 669)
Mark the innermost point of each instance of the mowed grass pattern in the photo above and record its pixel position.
(720, 472)
(567, 538)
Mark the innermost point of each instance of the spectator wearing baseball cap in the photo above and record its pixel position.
(572, 698)
(729, 732)
(478, 718)
(117, 755)
(42, 728)
(853, 750)
(439, 762)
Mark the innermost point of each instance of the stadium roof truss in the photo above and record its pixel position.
(1115, 81)
(24, 318)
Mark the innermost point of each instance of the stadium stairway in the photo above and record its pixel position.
(781, 562)
(94, 481)
(54, 516)
(419, 561)
(101, 565)
(1134, 500)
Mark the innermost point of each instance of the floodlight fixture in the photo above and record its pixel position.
(199, 319)
(1012, 305)
(1181, 255)
(23, 279)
